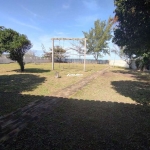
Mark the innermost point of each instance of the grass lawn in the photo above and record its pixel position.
(102, 115)
(118, 85)
(87, 125)
(37, 80)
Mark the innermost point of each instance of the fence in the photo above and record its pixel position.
(88, 61)
(34, 59)
(5, 60)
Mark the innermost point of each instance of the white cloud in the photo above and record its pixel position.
(24, 24)
(29, 11)
(47, 42)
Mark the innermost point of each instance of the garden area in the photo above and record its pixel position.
(109, 110)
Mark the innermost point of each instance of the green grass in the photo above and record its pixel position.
(118, 85)
(102, 115)
(37, 80)
(89, 125)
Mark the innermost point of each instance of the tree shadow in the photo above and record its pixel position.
(139, 75)
(137, 91)
(12, 85)
(33, 70)
(82, 124)
(19, 82)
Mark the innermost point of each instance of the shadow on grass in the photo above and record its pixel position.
(139, 75)
(12, 85)
(83, 124)
(19, 82)
(137, 91)
(33, 70)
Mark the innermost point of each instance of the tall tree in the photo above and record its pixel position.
(133, 26)
(15, 44)
(98, 37)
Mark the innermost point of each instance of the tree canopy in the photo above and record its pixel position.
(59, 53)
(133, 26)
(15, 44)
(98, 37)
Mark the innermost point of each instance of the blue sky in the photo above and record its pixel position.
(41, 20)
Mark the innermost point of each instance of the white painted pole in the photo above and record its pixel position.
(84, 53)
(52, 54)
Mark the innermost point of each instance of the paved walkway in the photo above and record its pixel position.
(12, 123)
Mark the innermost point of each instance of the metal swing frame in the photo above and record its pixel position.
(78, 39)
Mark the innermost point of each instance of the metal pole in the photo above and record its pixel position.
(52, 54)
(84, 53)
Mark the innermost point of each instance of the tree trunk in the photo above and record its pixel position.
(130, 66)
(21, 64)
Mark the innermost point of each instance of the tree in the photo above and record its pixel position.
(143, 62)
(79, 48)
(31, 53)
(98, 37)
(133, 26)
(59, 53)
(15, 44)
(46, 54)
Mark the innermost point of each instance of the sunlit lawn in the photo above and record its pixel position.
(37, 80)
(118, 85)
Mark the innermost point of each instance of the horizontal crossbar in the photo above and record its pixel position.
(68, 38)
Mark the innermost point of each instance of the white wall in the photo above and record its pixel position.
(122, 63)
(119, 63)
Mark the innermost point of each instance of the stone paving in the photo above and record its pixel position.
(13, 123)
